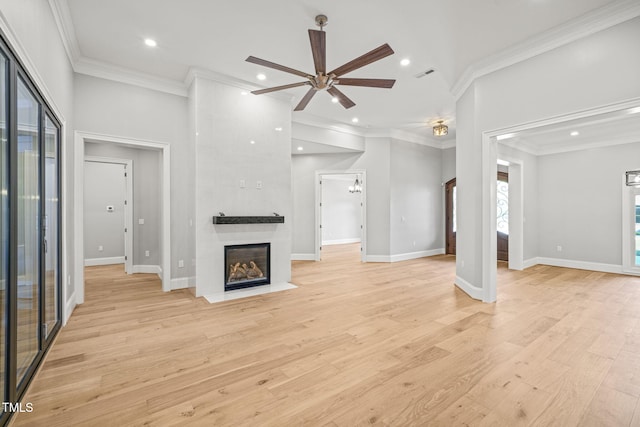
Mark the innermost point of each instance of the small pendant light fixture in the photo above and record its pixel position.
(356, 187)
(440, 129)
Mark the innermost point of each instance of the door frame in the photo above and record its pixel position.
(80, 138)
(128, 207)
(489, 158)
(448, 210)
(318, 209)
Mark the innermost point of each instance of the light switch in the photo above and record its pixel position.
(141, 221)
(243, 184)
(259, 185)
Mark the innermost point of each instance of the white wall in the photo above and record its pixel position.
(104, 185)
(226, 122)
(341, 210)
(416, 196)
(581, 203)
(42, 52)
(126, 111)
(448, 164)
(597, 70)
(145, 175)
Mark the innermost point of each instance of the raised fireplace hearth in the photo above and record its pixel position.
(247, 265)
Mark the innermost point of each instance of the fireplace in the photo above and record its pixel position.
(247, 265)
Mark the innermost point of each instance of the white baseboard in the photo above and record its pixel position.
(180, 283)
(90, 262)
(466, 287)
(581, 265)
(529, 263)
(149, 269)
(404, 257)
(69, 307)
(415, 255)
(340, 241)
(303, 257)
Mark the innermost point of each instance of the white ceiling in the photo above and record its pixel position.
(449, 36)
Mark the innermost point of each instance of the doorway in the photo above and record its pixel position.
(340, 210)
(502, 216)
(164, 179)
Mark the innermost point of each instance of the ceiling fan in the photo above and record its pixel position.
(327, 81)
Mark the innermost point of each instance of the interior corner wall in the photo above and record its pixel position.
(33, 24)
(600, 69)
(122, 110)
(227, 122)
(416, 202)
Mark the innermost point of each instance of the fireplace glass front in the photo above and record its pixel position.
(247, 265)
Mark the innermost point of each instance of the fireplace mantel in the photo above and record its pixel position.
(223, 219)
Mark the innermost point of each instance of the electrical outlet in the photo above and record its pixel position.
(181, 263)
(100, 248)
(146, 253)
(141, 221)
(243, 183)
(559, 248)
(259, 185)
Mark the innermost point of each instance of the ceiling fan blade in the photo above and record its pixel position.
(319, 50)
(305, 100)
(342, 98)
(382, 83)
(369, 57)
(275, 66)
(283, 87)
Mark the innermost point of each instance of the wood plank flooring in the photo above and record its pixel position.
(356, 344)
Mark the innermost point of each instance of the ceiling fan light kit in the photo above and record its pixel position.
(327, 81)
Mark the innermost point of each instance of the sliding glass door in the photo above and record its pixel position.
(30, 244)
(4, 222)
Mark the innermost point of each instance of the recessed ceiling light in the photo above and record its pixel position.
(150, 42)
(405, 62)
(252, 142)
(300, 148)
(574, 133)
(334, 100)
(355, 120)
(278, 129)
(244, 92)
(261, 77)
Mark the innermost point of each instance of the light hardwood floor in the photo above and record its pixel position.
(355, 344)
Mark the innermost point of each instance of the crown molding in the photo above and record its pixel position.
(321, 122)
(62, 16)
(575, 29)
(108, 71)
(202, 73)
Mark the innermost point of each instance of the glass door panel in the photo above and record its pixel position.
(637, 230)
(51, 232)
(4, 221)
(28, 233)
